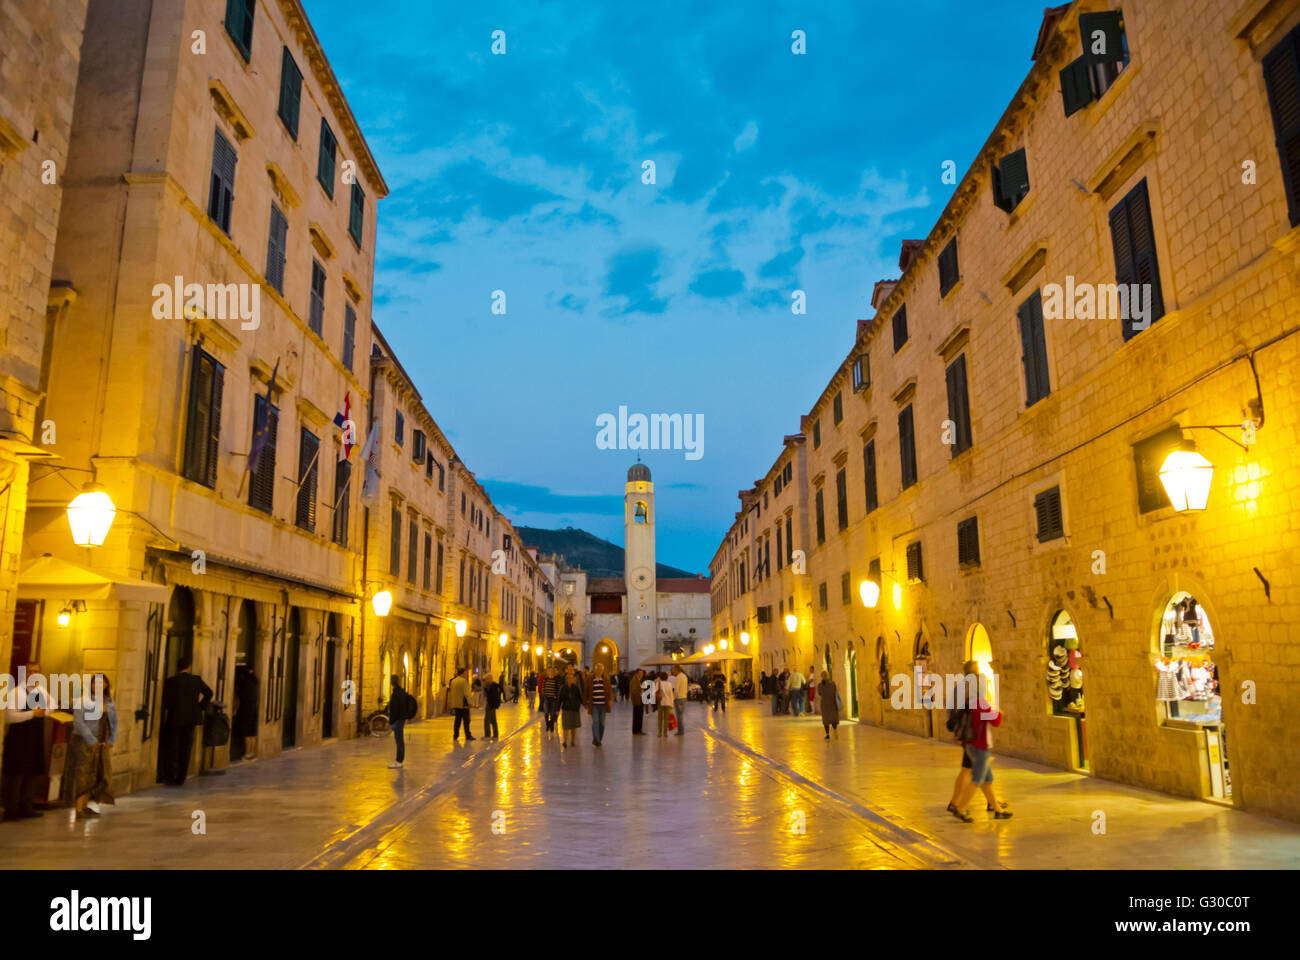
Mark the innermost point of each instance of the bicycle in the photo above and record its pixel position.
(376, 725)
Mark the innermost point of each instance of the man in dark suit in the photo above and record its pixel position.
(184, 699)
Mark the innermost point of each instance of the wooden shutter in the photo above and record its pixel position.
(906, 447)
(438, 577)
(789, 538)
(276, 243)
(1133, 240)
(239, 24)
(915, 568)
(221, 196)
(1282, 77)
(1033, 349)
(261, 490)
(290, 93)
(357, 213)
(412, 548)
(1047, 511)
(213, 445)
(968, 542)
(869, 474)
(325, 158)
(196, 420)
(1109, 23)
(1011, 180)
(842, 498)
(821, 518)
(316, 319)
(873, 571)
(342, 498)
(900, 327)
(959, 404)
(948, 271)
(308, 468)
(349, 334)
(1076, 86)
(395, 544)
(428, 558)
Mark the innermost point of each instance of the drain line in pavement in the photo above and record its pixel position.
(339, 852)
(903, 842)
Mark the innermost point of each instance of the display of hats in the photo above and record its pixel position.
(1071, 643)
(1058, 652)
(1076, 679)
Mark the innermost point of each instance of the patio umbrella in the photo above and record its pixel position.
(661, 660)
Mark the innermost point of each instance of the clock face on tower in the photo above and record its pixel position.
(639, 576)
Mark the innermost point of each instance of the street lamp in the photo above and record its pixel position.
(382, 602)
(723, 644)
(90, 514)
(502, 639)
(461, 626)
(869, 591)
(1186, 477)
(791, 623)
(525, 646)
(744, 638)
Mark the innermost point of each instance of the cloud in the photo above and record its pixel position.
(633, 275)
(718, 283)
(748, 137)
(534, 499)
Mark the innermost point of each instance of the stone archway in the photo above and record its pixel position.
(606, 652)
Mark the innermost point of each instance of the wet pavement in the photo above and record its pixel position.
(742, 790)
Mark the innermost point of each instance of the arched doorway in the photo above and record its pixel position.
(606, 652)
(293, 643)
(1064, 676)
(979, 647)
(567, 655)
(1187, 684)
(332, 688)
(851, 682)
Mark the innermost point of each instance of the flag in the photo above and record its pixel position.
(344, 422)
(370, 457)
(262, 425)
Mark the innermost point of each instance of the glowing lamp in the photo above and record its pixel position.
(744, 638)
(90, 514)
(64, 618)
(525, 646)
(723, 644)
(791, 622)
(898, 597)
(1186, 477)
(870, 593)
(382, 602)
(502, 638)
(461, 626)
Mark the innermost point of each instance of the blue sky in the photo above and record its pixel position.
(522, 172)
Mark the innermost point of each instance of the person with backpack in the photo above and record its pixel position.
(973, 727)
(401, 707)
(491, 701)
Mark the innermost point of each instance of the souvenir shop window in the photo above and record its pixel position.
(1064, 668)
(1187, 679)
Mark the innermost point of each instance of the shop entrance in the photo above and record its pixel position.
(293, 640)
(331, 690)
(1187, 683)
(851, 681)
(1065, 685)
(979, 647)
(247, 670)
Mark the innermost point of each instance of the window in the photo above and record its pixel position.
(948, 272)
(428, 559)
(837, 408)
(1105, 54)
(290, 93)
(438, 576)
(308, 468)
(412, 546)
(968, 542)
(915, 569)
(349, 335)
(462, 496)
(342, 496)
(789, 537)
(764, 614)
(959, 405)
(869, 474)
(817, 433)
(906, 447)
(842, 499)
(822, 600)
(1047, 511)
(417, 446)
(1033, 346)
(900, 327)
(1011, 180)
(788, 472)
(276, 244)
(861, 373)
(1148, 455)
(441, 478)
(780, 559)
(221, 194)
(316, 319)
(261, 488)
(239, 24)
(357, 213)
(1136, 270)
(203, 420)
(873, 571)
(777, 486)
(325, 159)
(846, 591)
(1282, 77)
(460, 582)
(395, 544)
(428, 466)
(821, 518)
(399, 437)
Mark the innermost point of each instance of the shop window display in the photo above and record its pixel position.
(1065, 668)
(1187, 678)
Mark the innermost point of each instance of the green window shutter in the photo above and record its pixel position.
(213, 451)
(325, 158)
(357, 213)
(1133, 240)
(1012, 180)
(1076, 86)
(239, 24)
(275, 249)
(197, 415)
(290, 93)
(1102, 35)
(958, 404)
(821, 518)
(1282, 78)
(1033, 349)
(308, 468)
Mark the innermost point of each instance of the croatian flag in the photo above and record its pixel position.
(344, 422)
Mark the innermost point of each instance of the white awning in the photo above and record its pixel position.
(51, 578)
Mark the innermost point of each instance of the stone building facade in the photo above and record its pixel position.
(38, 61)
(987, 455)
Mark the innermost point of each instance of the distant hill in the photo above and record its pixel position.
(598, 557)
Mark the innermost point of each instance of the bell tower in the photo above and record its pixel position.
(639, 563)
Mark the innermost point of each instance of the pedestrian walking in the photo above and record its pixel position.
(664, 697)
(638, 703)
(976, 734)
(88, 773)
(829, 701)
(764, 685)
(571, 709)
(811, 690)
(797, 691)
(599, 699)
(184, 699)
(24, 759)
(401, 707)
(458, 702)
(491, 703)
(681, 688)
(530, 684)
(719, 688)
(551, 699)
